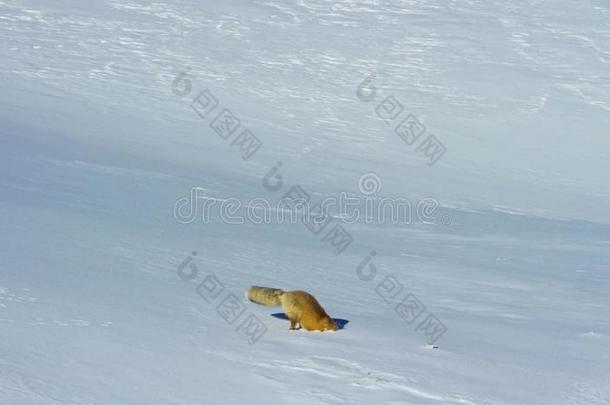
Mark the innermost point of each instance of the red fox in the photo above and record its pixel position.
(300, 307)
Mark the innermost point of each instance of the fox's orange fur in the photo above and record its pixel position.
(300, 307)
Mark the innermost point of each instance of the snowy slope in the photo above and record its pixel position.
(99, 140)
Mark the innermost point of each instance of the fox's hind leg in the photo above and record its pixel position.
(294, 319)
(293, 322)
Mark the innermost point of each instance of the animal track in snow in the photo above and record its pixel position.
(8, 296)
(69, 322)
(332, 369)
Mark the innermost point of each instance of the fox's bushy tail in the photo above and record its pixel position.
(265, 296)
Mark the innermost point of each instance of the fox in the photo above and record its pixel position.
(301, 308)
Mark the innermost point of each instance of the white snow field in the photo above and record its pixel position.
(112, 112)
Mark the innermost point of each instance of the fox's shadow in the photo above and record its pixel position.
(340, 322)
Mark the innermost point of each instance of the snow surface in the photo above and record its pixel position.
(96, 148)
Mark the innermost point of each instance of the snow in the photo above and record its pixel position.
(99, 140)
